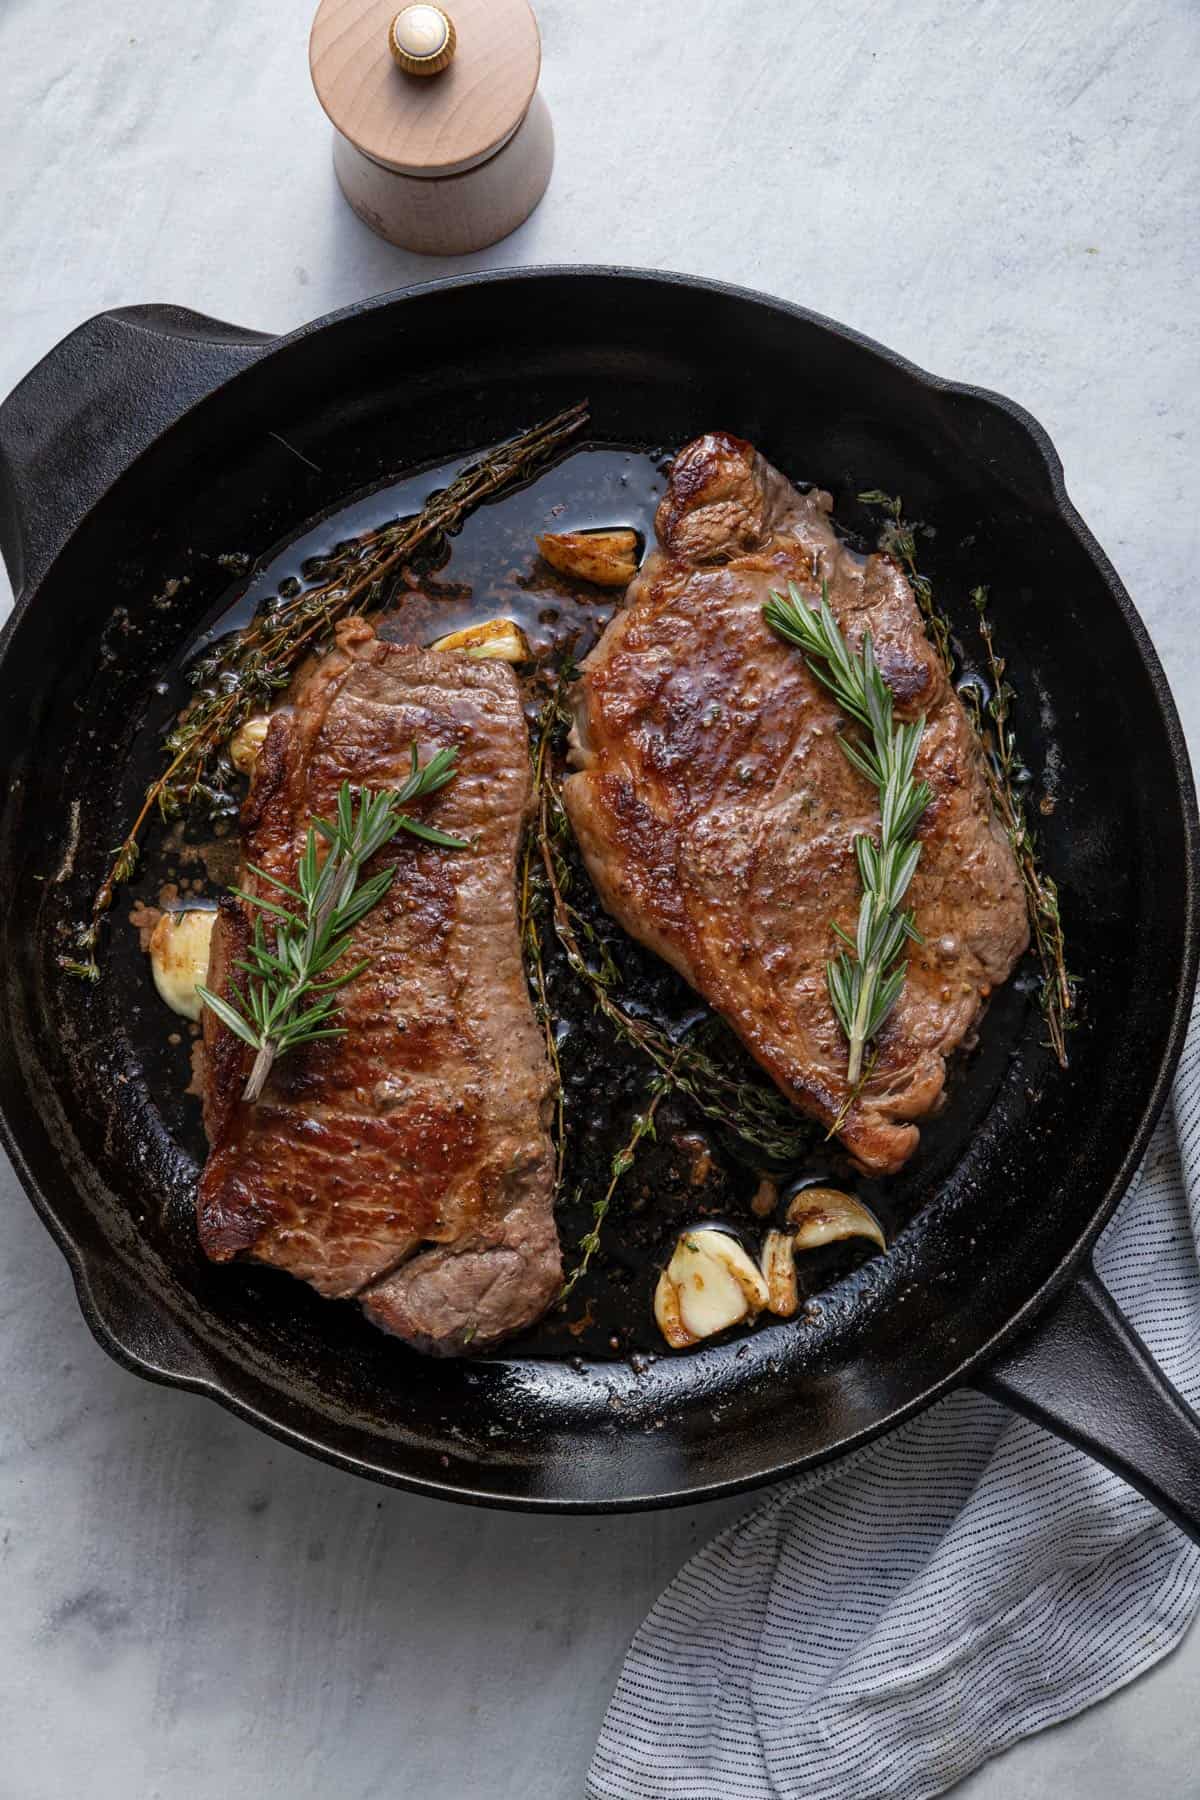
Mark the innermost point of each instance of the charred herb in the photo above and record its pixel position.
(250, 670)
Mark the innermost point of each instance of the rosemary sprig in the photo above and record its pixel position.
(1005, 773)
(622, 1162)
(260, 660)
(866, 978)
(292, 979)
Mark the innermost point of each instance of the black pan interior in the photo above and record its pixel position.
(402, 385)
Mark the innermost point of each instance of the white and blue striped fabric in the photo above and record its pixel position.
(877, 1631)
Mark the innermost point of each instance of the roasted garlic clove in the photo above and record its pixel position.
(498, 638)
(247, 741)
(179, 957)
(779, 1273)
(821, 1215)
(607, 558)
(709, 1284)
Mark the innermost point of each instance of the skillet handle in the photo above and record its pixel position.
(90, 407)
(1084, 1373)
(137, 1336)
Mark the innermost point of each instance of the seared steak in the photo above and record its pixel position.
(716, 812)
(407, 1163)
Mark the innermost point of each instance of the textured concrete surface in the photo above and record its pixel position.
(1004, 191)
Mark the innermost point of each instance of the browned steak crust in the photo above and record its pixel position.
(716, 812)
(407, 1163)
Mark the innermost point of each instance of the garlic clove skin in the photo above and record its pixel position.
(667, 1314)
(179, 946)
(765, 1199)
(821, 1215)
(499, 639)
(709, 1284)
(247, 741)
(606, 558)
(779, 1273)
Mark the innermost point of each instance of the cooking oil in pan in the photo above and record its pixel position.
(689, 1171)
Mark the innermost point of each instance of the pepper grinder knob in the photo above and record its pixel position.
(422, 39)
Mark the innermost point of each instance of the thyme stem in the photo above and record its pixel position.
(549, 720)
(264, 656)
(1003, 766)
(898, 539)
(762, 1119)
(748, 1110)
(622, 1162)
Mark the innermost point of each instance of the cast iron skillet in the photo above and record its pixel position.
(153, 441)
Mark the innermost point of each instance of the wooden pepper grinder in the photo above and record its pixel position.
(442, 142)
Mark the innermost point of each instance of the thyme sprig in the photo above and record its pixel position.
(1006, 775)
(622, 1162)
(759, 1116)
(898, 539)
(750, 1111)
(532, 896)
(293, 976)
(866, 978)
(259, 661)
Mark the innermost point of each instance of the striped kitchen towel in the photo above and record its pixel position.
(878, 1630)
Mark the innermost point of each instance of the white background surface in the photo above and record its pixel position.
(1005, 191)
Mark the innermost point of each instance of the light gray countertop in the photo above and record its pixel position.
(1006, 192)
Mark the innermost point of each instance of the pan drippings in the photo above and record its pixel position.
(690, 1170)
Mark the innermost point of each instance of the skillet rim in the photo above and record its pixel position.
(88, 1269)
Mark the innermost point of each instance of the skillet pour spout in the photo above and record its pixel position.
(153, 445)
